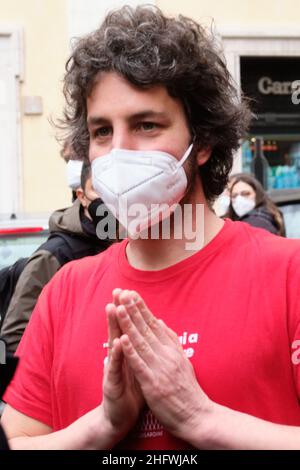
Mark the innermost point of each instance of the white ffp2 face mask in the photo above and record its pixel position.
(222, 205)
(132, 183)
(73, 172)
(242, 205)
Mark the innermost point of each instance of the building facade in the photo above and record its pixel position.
(262, 47)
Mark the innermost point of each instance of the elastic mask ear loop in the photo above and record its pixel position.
(185, 156)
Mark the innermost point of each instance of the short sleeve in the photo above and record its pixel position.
(30, 389)
(293, 305)
(39, 269)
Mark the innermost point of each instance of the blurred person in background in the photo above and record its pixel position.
(7, 371)
(72, 236)
(73, 172)
(73, 168)
(250, 203)
(222, 203)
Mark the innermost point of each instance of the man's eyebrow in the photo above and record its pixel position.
(96, 121)
(147, 114)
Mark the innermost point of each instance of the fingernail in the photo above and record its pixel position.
(135, 297)
(122, 313)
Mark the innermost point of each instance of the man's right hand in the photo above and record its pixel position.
(122, 397)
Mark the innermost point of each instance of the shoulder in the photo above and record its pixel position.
(78, 270)
(266, 244)
(75, 280)
(262, 218)
(38, 270)
(38, 258)
(57, 240)
(259, 212)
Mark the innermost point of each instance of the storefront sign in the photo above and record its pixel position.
(296, 92)
(267, 86)
(273, 83)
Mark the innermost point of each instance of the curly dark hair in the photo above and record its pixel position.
(148, 48)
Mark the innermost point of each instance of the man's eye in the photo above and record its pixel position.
(102, 131)
(148, 126)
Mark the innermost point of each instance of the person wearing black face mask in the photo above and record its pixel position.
(96, 218)
(93, 209)
(84, 229)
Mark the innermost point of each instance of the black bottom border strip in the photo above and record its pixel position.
(146, 459)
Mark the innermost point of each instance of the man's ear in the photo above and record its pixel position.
(80, 196)
(203, 155)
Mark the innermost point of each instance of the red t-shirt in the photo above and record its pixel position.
(235, 305)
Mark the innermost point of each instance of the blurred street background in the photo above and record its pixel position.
(261, 40)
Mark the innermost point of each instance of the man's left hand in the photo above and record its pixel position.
(165, 374)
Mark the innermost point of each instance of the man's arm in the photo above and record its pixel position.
(225, 428)
(101, 428)
(39, 269)
(90, 432)
(171, 390)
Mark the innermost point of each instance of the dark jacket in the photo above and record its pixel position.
(9, 277)
(7, 371)
(72, 236)
(262, 218)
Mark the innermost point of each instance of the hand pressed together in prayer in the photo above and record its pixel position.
(122, 397)
(147, 352)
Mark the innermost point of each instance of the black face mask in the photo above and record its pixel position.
(97, 207)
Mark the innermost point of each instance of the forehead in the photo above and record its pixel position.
(113, 96)
(242, 186)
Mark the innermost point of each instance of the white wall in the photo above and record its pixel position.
(10, 166)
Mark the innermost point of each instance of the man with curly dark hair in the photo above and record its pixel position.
(149, 49)
(211, 360)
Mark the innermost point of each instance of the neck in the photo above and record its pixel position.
(200, 226)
